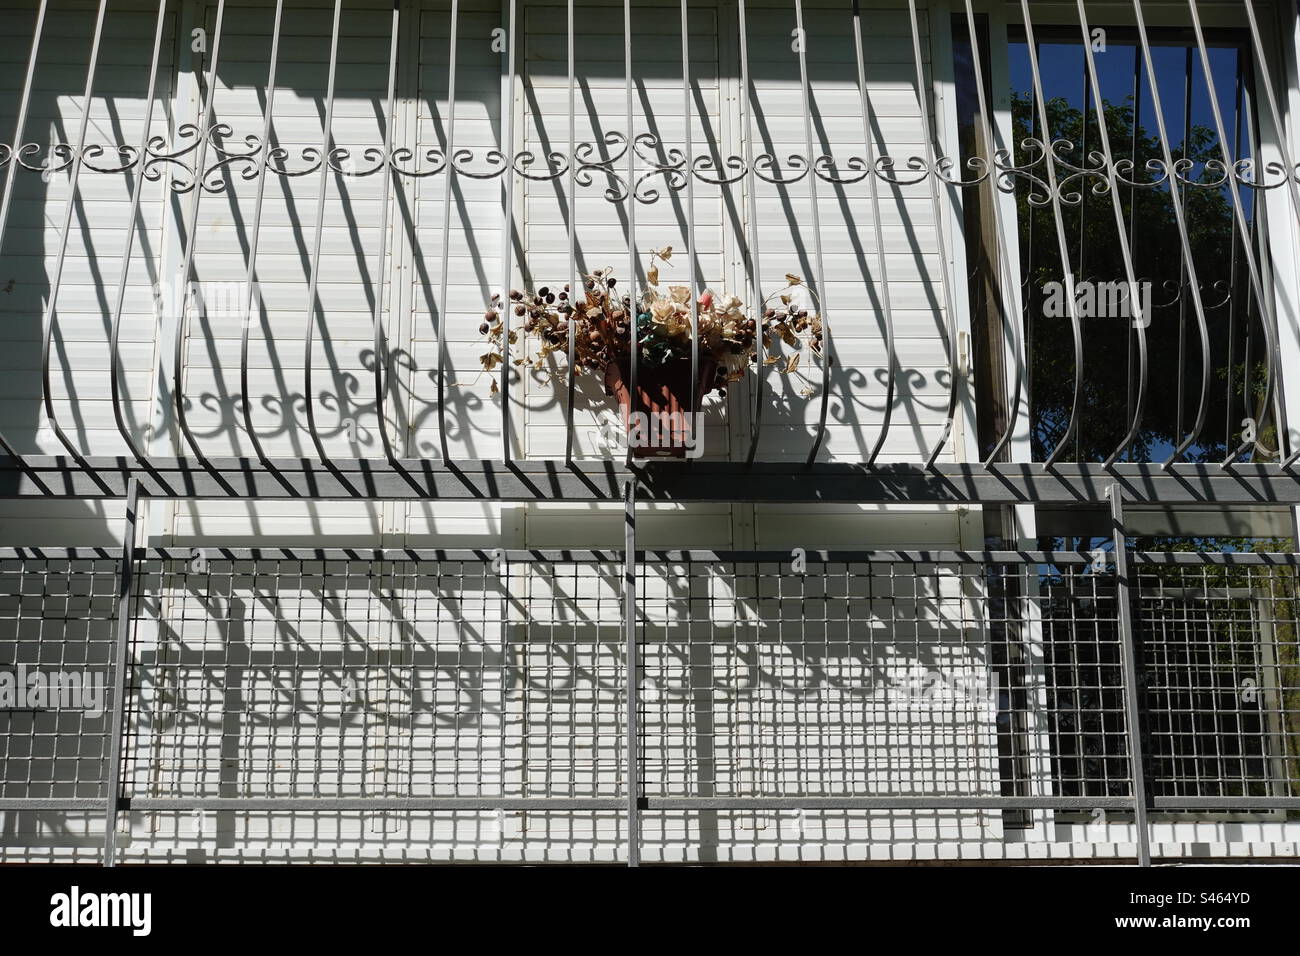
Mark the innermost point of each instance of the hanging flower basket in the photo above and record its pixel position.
(663, 419)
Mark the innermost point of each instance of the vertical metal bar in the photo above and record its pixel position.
(1239, 106)
(1280, 132)
(50, 318)
(327, 147)
(137, 191)
(868, 121)
(23, 103)
(1132, 220)
(250, 280)
(932, 151)
(1180, 214)
(121, 656)
(631, 676)
(828, 352)
(507, 223)
(191, 239)
(751, 232)
(1062, 244)
(1252, 266)
(449, 152)
(1181, 402)
(1009, 318)
(633, 348)
(1126, 251)
(381, 342)
(691, 252)
(1132, 693)
(574, 279)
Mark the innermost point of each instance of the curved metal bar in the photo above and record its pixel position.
(767, 161)
(1126, 251)
(1252, 265)
(1179, 213)
(440, 344)
(704, 164)
(381, 342)
(250, 281)
(828, 351)
(634, 350)
(23, 103)
(751, 237)
(309, 333)
(574, 278)
(129, 154)
(692, 264)
(868, 117)
(1009, 317)
(1062, 245)
(1280, 130)
(931, 149)
(50, 320)
(507, 227)
(137, 191)
(191, 240)
(402, 154)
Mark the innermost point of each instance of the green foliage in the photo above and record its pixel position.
(1095, 253)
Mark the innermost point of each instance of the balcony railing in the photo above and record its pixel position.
(1023, 201)
(962, 690)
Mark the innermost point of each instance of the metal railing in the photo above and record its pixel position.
(198, 156)
(406, 682)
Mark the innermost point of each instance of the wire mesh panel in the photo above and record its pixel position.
(1085, 694)
(845, 678)
(56, 652)
(1222, 680)
(324, 678)
(972, 692)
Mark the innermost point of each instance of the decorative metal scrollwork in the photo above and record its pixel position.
(659, 169)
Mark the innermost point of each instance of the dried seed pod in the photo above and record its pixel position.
(484, 328)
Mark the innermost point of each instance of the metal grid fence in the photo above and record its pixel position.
(852, 687)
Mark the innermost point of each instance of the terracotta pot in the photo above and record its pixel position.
(663, 396)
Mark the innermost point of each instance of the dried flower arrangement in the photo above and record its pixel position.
(600, 318)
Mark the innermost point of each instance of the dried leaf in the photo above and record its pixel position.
(666, 253)
(792, 278)
(652, 276)
(792, 363)
(495, 389)
(491, 360)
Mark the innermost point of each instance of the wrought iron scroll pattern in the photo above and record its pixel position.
(663, 168)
